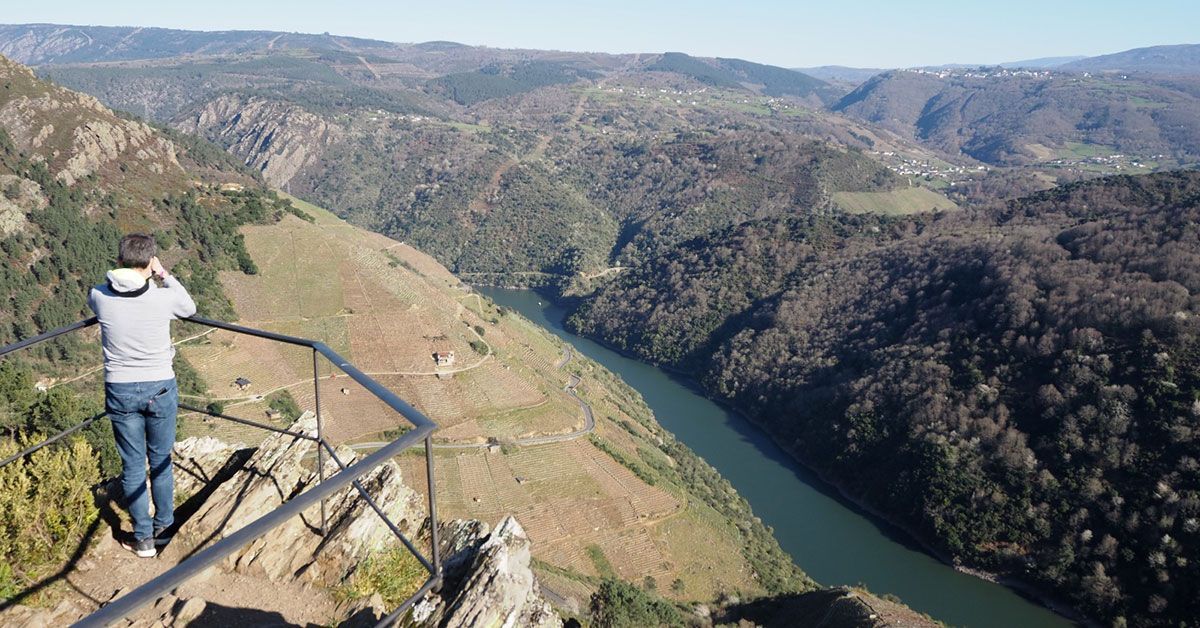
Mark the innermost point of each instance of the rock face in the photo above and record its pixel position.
(272, 475)
(500, 589)
(276, 138)
(488, 580)
(488, 577)
(18, 196)
(32, 46)
(76, 135)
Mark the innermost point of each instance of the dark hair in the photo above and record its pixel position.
(136, 250)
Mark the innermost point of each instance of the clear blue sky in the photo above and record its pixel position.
(868, 33)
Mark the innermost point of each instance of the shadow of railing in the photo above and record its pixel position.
(347, 476)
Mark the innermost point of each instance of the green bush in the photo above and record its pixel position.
(618, 604)
(46, 508)
(283, 403)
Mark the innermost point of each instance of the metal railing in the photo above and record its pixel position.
(347, 476)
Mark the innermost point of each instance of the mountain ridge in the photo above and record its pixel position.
(655, 485)
(1180, 59)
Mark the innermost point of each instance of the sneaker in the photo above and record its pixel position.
(144, 548)
(162, 536)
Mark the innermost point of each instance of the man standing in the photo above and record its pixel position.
(140, 394)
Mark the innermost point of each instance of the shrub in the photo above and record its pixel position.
(618, 604)
(283, 403)
(394, 574)
(46, 508)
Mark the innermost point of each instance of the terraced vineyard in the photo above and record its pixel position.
(388, 308)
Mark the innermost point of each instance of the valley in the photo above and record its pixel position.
(837, 541)
(513, 438)
(963, 295)
(529, 428)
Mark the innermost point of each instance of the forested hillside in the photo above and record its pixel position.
(73, 178)
(736, 73)
(498, 81)
(1015, 118)
(1016, 385)
(464, 150)
(545, 197)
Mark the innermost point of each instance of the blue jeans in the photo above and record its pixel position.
(143, 420)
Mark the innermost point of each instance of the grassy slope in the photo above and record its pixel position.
(896, 202)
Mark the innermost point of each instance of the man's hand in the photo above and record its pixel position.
(156, 268)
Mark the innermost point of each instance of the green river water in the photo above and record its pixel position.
(833, 540)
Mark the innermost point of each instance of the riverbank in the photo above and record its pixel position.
(1030, 590)
(837, 539)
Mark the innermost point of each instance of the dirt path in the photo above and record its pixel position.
(566, 357)
(481, 202)
(233, 599)
(589, 421)
(101, 367)
(368, 67)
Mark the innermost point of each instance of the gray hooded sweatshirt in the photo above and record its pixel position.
(135, 325)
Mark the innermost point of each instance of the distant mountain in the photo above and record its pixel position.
(1012, 118)
(1042, 62)
(858, 76)
(1183, 59)
(38, 44)
(841, 73)
(736, 73)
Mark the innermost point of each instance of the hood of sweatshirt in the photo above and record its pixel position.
(127, 282)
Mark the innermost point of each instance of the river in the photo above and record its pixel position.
(834, 541)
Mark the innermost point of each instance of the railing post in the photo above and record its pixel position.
(433, 525)
(320, 436)
(298, 505)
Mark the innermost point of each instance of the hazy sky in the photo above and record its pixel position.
(869, 33)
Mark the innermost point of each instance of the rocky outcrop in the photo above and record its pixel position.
(837, 607)
(97, 143)
(18, 196)
(75, 134)
(500, 589)
(274, 473)
(277, 138)
(488, 579)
